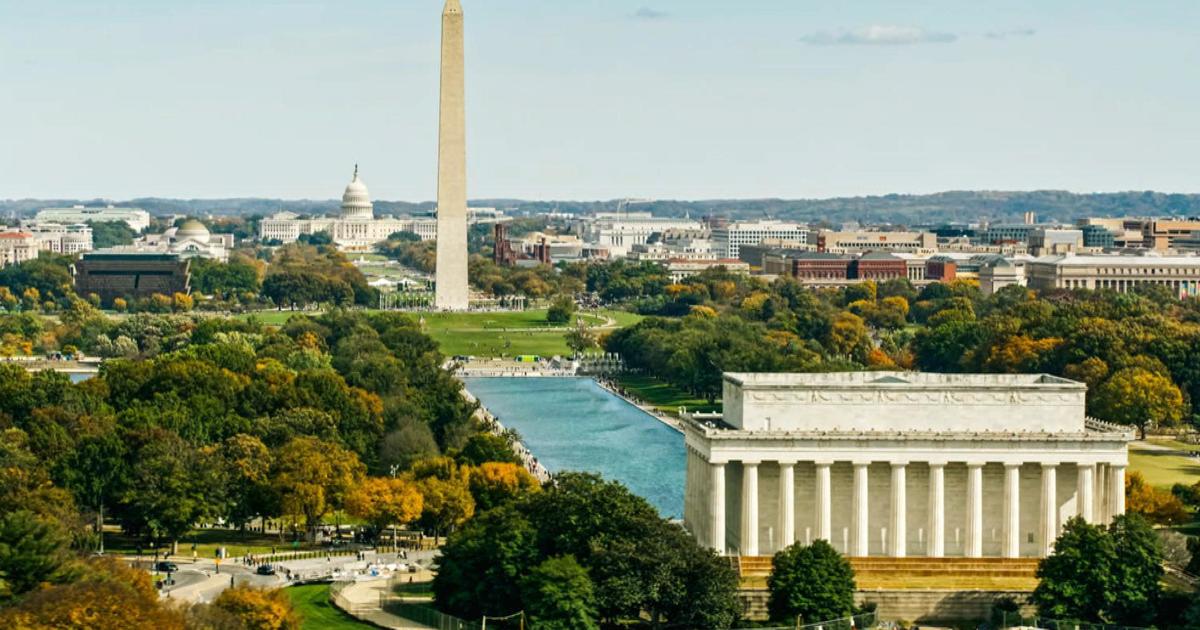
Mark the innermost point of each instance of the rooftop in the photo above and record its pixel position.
(899, 380)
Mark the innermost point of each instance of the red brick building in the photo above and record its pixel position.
(879, 266)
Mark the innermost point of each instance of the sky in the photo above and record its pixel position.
(599, 99)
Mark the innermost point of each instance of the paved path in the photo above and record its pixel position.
(361, 600)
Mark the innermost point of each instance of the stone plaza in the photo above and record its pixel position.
(900, 464)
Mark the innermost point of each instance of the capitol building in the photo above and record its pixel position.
(356, 229)
(900, 464)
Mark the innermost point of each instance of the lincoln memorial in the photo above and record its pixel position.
(900, 464)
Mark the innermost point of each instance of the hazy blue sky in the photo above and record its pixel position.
(584, 99)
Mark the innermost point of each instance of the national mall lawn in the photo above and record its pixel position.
(496, 333)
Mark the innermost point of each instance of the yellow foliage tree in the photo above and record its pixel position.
(182, 302)
(385, 502)
(108, 594)
(313, 477)
(494, 483)
(1019, 353)
(258, 609)
(1138, 397)
(848, 337)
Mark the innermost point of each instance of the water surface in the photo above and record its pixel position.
(574, 424)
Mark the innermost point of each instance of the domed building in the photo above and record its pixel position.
(356, 201)
(191, 239)
(356, 229)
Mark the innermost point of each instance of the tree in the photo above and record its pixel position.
(487, 447)
(107, 594)
(410, 441)
(1137, 571)
(173, 488)
(848, 337)
(1076, 581)
(814, 583)
(106, 234)
(33, 550)
(447, 503)
(558, 595)
(1157, 506)
(493, 484)
(95, 472)
(581, 338)
(258, 609)
(244, 465)
(481, 565)
(1140, 398)
(562, 307)
(385, 502)
(312, 477)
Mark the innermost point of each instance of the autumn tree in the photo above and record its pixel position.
(258, 609)
(1158, 506)
(447, 503)
(106, 594)
(385, 502)
(312, 477)
(1140, 398)
(495, 483)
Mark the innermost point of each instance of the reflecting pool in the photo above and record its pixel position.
(574, 424)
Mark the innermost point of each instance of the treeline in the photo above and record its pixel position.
(585, 554)
(1134, 350)
(213, 420)
(950, 206)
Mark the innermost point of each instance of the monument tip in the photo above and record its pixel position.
(452, 6)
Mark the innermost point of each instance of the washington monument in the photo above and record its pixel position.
(451, 274)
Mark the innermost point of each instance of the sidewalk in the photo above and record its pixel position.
(361, 600)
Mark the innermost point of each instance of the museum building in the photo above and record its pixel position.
(900, 464)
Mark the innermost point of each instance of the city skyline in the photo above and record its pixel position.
(600, 100)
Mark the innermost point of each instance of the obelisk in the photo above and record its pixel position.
(451, 276)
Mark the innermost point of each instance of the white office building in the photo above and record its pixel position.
(728, 239)
(620, 231)
(136, 218)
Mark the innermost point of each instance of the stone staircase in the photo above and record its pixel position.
(988, 574)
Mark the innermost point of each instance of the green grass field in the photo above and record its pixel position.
(1164, 469)
(510, 334)
(664, 396)
(312, 602)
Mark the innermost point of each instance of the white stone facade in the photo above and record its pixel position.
(900, 464)
(356, 229)
(728, 240)
(136, 218)
(1179, 274)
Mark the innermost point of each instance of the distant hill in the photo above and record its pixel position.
(945, 207)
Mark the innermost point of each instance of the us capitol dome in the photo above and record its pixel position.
(356, 201)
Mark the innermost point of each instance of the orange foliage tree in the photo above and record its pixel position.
(1158, 506)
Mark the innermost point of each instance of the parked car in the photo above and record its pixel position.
(265, 569)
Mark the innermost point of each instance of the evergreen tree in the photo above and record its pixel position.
(814, 583)
(558, 595)
(1076, 581)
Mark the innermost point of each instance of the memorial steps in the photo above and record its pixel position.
(986, 574)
